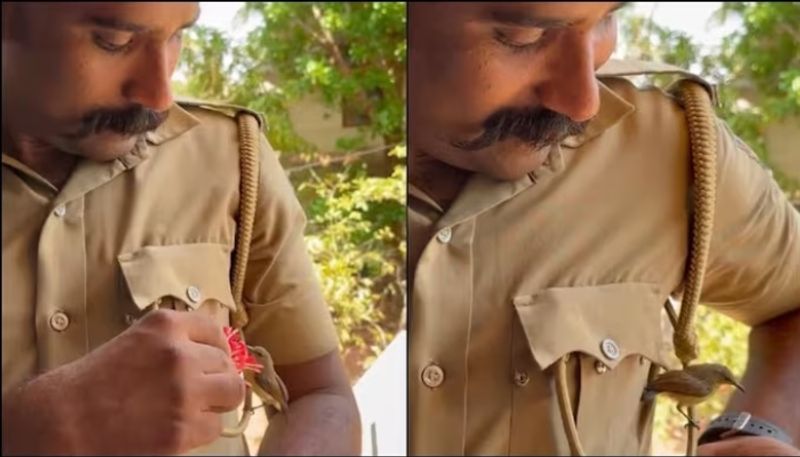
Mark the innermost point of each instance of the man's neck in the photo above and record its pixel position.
(440, 181)
(50, 163)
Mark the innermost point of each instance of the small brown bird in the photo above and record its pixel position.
(690, 386)
(266, 384)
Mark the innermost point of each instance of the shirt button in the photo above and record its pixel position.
(59, 321)
(610, 349)
(600, 367)
(60, 211)
(444, 235)
(193, 293)
(432, 376)
(521, 378)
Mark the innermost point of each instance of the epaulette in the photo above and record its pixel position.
(219, 107)
(630, 67)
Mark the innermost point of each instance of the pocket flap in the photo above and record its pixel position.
(192, 273)
(625, 318)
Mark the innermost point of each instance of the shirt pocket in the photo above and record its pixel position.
(613, 336)
(186, 277)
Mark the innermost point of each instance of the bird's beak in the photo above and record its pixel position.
(739, 386)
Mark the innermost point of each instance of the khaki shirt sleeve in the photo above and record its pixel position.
(288, 314)
(754, 263)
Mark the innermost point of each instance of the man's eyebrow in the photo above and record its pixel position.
(119, 24)
(523, 19)
(115, 23)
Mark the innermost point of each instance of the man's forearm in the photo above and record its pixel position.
(319, 423)
(772, 378)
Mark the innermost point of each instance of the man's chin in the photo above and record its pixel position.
(101, 147)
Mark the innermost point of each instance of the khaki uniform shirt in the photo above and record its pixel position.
(587, 249)
(156, 226)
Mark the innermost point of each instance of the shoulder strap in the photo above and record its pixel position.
(248, 195)
(703, 149)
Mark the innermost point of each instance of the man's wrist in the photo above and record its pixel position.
(734, 424)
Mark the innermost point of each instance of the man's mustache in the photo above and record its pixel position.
(134, 120)
(538, 127)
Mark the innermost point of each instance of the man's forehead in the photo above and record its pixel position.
(130, 16)
(544, 14)
(517, 13)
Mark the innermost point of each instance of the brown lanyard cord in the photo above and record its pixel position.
(702, 137)
(248, 140)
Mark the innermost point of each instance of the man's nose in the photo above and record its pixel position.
(150, 85)
(571, 87)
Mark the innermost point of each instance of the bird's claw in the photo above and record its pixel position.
(690, 422)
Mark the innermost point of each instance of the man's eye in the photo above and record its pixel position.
(113, 42)
(518, 42)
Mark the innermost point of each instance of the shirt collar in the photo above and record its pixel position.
(613, 108)
(178, 121)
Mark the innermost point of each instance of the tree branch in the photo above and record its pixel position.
(330, 43)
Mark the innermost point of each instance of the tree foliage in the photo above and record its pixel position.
(357, 239)
(351, 54)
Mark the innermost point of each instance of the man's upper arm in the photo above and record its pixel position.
(754, 264)
(288, 315)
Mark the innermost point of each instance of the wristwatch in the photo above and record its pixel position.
(741, 424)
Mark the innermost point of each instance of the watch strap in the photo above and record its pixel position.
(741, 424)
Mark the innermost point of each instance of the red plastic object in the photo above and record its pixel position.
(242, 358)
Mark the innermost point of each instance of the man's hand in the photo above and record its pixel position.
(748, 445)
(156, 388)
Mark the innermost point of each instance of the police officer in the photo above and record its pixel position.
(117, 200)
(549, 216)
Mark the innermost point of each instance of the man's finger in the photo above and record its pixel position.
(201, 328)
(222, 391)
(211, 359)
